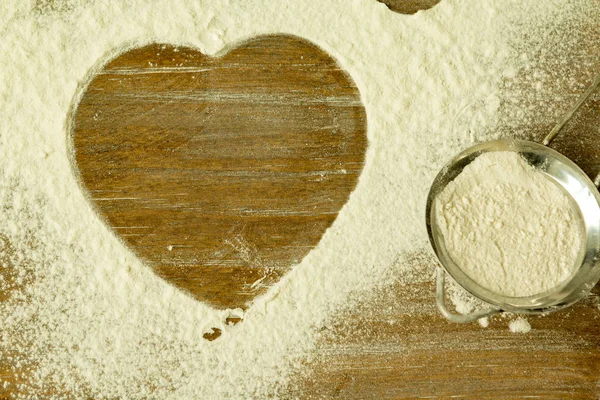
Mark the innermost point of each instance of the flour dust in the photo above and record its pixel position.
(82, 315)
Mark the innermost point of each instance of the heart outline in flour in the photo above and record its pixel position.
(272, 129)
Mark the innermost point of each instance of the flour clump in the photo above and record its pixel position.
(509, 227)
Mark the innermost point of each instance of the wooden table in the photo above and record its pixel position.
(163, 163)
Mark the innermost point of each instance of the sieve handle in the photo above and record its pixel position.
(569, 114)
(441, 303)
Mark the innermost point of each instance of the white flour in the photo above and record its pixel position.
(84, 315)
(508, 227)
(519, 325)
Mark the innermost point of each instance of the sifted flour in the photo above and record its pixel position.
(508, 227)
(80, 314)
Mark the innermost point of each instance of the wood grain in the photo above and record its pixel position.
(393, 344)
(221, 173)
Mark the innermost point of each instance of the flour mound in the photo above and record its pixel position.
(519, 325)
(509, 227)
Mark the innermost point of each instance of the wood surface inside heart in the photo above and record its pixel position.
(220, 173)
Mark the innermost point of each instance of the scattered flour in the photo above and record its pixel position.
(509, 227)
(80, 314)
(484, 322)
(519, 325)
(464, 302)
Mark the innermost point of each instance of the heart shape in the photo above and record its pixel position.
(220, 173)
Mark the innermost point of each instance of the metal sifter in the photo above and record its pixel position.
(563, 172)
